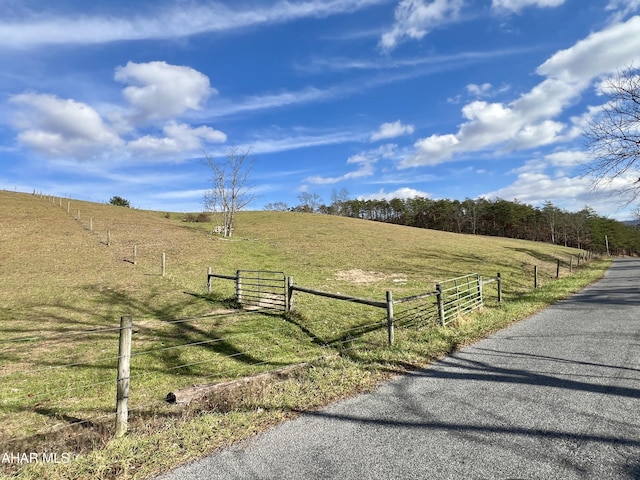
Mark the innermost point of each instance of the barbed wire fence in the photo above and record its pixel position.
(69, 397)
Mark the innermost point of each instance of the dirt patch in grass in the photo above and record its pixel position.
(367, 277)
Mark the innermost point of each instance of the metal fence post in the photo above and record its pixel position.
(238, 287)
(289, 295)
(124, 363)
(390, 317)
(440, 303)
(499, 278)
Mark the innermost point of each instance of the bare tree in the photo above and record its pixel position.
(230, 188)
(277, 207)
(613, 135)
(309, 202)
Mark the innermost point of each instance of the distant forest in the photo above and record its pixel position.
(584, 229)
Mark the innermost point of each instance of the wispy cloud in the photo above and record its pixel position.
(517, 6)
(415, 18)
(162, 22)
(323, 64)
(294, 142)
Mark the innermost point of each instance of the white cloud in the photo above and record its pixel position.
(530, 120)
(479, 90)
(600, 53)
(402, 193)
(568, 158)
(58, 127)
(535, 187)
(485, 90)
(415, 18)
(518, 5)
(622, 8)
(178, 139)
(365, 160)
(158, 90)
(392, 130)
(179, 20)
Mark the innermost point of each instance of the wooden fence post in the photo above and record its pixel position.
(535, 276)
(208, 279)
(68, 207)
(558, 269)
(108, 238)
(124, 364)
(499, 278)
(440, 303)
(135, 254)
(91, 224)
(164, 264)
(390, 317)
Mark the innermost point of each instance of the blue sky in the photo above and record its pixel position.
(383, 98)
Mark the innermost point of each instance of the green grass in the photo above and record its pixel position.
(60, 278)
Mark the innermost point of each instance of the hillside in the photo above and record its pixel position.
(53, 264)
(60, 279)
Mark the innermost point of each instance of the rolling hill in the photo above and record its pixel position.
(68, 275)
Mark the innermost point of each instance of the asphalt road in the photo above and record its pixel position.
(556, 396)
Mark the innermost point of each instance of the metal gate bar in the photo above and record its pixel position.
(261, 289)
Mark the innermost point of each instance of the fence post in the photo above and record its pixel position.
(164, 264)
(108, 238)
(480, 302)
(390, 317)
(124, 364)
(91, 224)
(135, 254)
(535, 276)
(289, 300)
(499, 278)
(238, 287)
(440, 303)
(208, 279)
(558, 269)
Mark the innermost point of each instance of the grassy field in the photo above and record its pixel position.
(63, 291)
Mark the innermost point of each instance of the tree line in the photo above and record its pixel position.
(502, 218)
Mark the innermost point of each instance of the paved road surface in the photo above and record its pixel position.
(556, 396)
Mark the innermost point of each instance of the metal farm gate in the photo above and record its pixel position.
(459, 296)
(260, 289)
